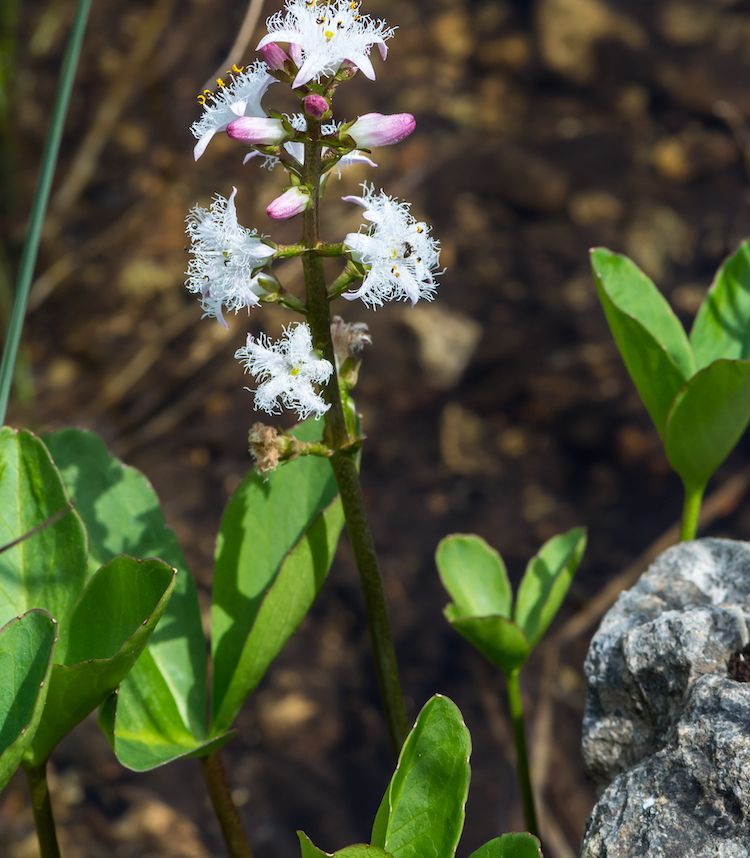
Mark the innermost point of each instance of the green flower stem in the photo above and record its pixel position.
(224, 807)
(515, 704)
(691, 511)
(344, 462)
(36, 778)
(337, 249)
(343, 281)
(39, 208)
(288, 251)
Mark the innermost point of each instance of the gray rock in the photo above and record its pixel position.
(665, 726)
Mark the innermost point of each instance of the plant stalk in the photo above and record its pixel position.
(224, 807)
(344, 461)
(39, 207)
(36, 778)
(515, 704)
(691, 510)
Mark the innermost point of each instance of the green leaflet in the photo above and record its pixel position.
(650, 338)
(546, 582)
(510, 846)
(422, 812)
(108, 628)
(160, 710)
(708, 417)
(722, 326)
(276, 544)
(26, 646)
(308, 850)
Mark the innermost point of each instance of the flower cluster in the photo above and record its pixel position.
(314, 46)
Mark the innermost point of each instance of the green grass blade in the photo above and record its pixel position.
(39, 208)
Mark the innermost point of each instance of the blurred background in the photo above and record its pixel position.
(544, 127)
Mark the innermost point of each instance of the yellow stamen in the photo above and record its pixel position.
(295, 370)
(329, 34)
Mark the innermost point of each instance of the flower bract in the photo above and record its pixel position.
(287, 372)
(225, 258)
(240, 97)
(400, 255)
(322, 34)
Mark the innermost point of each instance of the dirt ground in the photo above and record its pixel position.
(544, 128)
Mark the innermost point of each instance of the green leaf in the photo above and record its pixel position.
(276, 544)
(422, 814)
(650, 338)
(109, 627)
(499, 640)
(708, 418)
(308, 850)
(722, 326)
(474, 575)
(161, 705)
(546, 581)
(48, 569)
(26, 646)
(510, 846)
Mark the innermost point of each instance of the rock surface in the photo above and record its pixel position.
(666, 728)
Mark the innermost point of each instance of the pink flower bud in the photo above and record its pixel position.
(316, 106)
(257, 130)
(274, 56)
(376, 129)
(292, 202)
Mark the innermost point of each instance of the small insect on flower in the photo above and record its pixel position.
(324, 34)
(287, 372)
(226, 257)
(239, 95)
(401, 256)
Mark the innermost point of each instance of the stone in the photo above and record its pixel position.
(666, 728)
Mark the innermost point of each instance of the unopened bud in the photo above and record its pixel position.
(257, 130)
(292, 202)
(349, 338)
(348, 341)
(316, 106)
(346, 71)
(377, 129)
(274, 56)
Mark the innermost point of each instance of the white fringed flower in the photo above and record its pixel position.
(225, 258)
(325, 33)
(287, 371)
(241, 97)
(401, 255)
